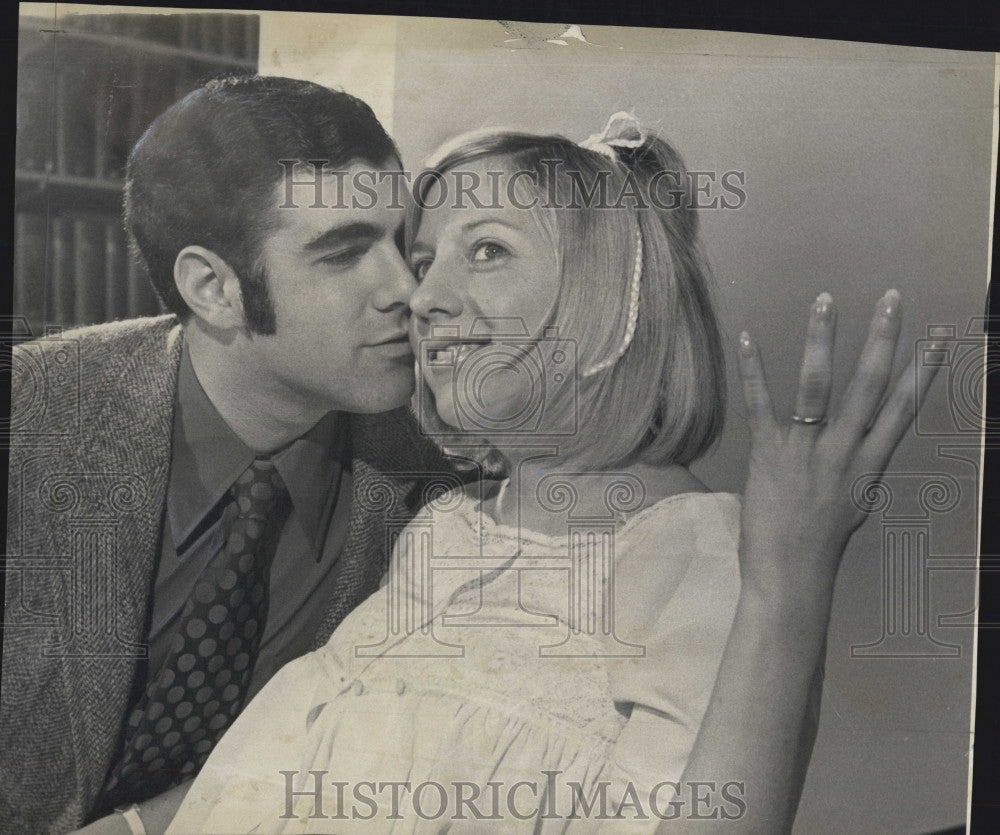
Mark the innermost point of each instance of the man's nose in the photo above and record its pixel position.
(435, 297)
(398, 284)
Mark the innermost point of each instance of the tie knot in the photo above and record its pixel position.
(260, 489)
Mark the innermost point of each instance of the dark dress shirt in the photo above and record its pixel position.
(206, 458)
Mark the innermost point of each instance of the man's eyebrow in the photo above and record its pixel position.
(342, 234)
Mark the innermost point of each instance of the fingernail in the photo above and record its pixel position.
(746, 346)
(823, 307)
(888, 305)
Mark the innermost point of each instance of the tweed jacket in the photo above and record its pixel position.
(90, 453)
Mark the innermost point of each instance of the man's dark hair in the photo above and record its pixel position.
(204, 173)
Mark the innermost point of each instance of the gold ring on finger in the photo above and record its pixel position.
(809, 421)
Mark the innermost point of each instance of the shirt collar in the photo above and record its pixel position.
(208, 457)
(311, 468)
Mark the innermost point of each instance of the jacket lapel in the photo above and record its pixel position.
(129, 452)
(379, 494)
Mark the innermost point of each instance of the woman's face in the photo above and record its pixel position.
(488, 279)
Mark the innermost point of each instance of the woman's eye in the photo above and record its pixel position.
(488, 252)
(421, 267)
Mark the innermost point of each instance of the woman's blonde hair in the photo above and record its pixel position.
(663, 400)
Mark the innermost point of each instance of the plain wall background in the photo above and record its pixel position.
(866, 168)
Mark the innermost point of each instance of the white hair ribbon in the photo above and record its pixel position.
(622, 131)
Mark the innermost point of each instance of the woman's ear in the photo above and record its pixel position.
(210, 287)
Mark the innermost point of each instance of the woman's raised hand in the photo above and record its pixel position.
(798, 512)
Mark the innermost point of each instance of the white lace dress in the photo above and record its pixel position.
(496, 683)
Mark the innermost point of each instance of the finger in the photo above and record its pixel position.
(755, 393)
(901, 408)
(817, 363)
(874, 370)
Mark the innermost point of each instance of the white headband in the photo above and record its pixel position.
(622, 131)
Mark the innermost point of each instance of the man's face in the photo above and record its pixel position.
(340, 290)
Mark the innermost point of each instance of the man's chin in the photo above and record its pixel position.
(387, 397)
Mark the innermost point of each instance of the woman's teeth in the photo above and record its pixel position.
(457, 350)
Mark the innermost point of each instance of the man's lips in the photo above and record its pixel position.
(399, 341)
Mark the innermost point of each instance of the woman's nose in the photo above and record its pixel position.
(436, 297)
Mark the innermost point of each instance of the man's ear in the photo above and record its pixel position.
(210, 287)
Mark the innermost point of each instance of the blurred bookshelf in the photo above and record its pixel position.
(87, 87)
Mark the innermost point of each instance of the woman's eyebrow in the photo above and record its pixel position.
(349, 232)
(468, 227)
(474, 224)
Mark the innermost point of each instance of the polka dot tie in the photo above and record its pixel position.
(200, 689)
